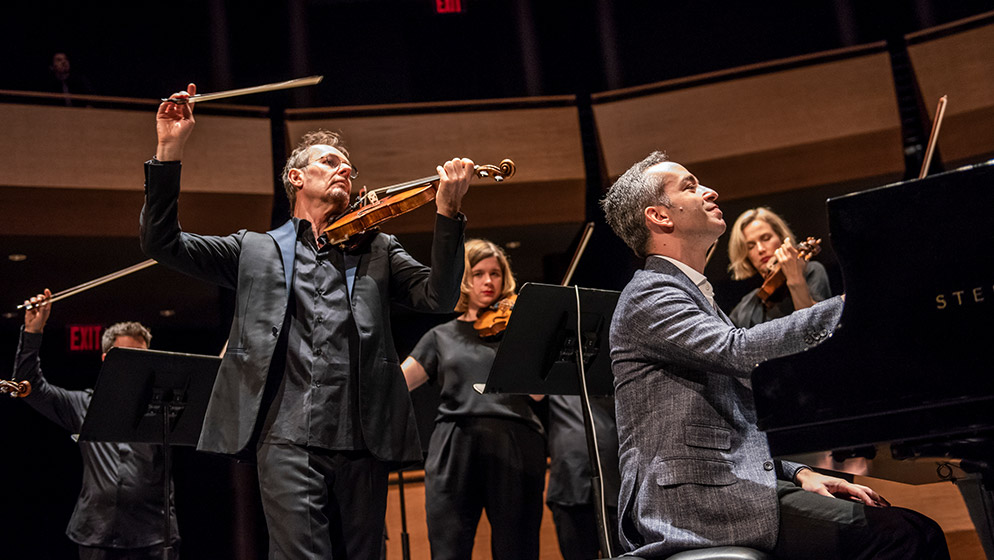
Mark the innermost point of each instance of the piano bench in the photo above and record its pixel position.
(715, 553)
(721, 553)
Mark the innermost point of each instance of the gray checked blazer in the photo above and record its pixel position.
(695, 470)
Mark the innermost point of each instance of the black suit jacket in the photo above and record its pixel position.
(259, 267)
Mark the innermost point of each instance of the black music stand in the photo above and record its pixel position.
(149, 396)
(539, 355)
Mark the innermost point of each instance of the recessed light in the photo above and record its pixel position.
(167, 312)
(9, 315)
(513, 244)
(17, 257)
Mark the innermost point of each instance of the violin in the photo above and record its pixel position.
(375, 207)
(774, 276)
(15, 388)
(492, 321)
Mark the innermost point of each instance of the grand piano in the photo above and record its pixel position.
(905, 384)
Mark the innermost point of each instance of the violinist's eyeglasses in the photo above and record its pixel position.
(335, 163)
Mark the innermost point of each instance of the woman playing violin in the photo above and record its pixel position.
(487, 451)
(759, 241)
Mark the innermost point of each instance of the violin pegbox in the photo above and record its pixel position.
(499, 172)
(808, 248)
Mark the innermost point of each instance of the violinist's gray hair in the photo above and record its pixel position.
(300, 156)
(133, 329)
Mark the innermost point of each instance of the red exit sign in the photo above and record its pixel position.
(84, 338)
(448, 6)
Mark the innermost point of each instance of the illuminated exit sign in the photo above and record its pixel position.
(448, 6)
(84, 338)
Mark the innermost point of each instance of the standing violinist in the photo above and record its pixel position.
(759, 240)
(487, 452)
(311, 383)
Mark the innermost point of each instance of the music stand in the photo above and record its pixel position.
(539, 354)
(149, 396)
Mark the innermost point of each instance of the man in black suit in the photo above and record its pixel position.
(310, 381)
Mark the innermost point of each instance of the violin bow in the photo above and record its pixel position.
(940, 111)
(299, 82)
(91, 284)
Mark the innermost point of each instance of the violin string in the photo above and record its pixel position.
(391, 189)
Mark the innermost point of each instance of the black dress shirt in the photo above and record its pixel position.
(316, 403)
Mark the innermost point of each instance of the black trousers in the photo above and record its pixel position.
(144, 553)
(815, 526)
(322, 504)
(484, 464)
(577, 533)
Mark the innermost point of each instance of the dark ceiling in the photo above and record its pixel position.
(396, 51)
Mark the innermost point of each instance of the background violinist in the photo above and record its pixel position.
(486, 451)
(758, 239)
(119, 511)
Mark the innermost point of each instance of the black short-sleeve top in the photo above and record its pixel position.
(456, 358)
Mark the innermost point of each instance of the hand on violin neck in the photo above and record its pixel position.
(454, 176)
(173, 124)
(791, 263)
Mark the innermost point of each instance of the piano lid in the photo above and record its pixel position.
(913, 356)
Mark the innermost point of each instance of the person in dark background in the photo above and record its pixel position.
(487, 452)
(118, 515)
(570, 495)
(62, 80)
(310, 383)
(759, 238)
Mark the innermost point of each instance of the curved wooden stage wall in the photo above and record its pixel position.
(84, 167)
(788, 125)
(405, 142)
(958, 60)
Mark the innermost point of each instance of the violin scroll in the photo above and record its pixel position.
(501, 171)
(15, 388)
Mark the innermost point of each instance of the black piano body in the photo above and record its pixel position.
(911, 363)
(904, 387)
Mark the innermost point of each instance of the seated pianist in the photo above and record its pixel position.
(696, 472)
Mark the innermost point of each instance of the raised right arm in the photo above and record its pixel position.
(65, 408)
(210, 258)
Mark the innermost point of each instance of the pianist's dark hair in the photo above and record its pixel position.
(738, 252)
(629, 196)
